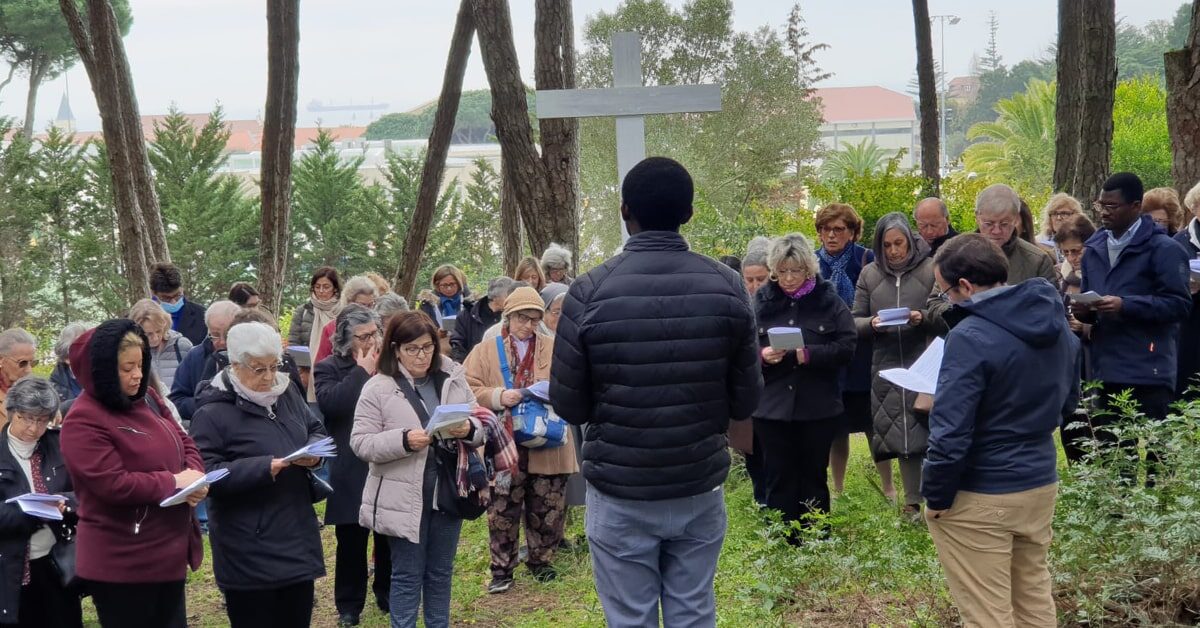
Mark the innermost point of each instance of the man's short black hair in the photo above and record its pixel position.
(165, 278)
(658, 193)
(973, 257)
(1128, 184)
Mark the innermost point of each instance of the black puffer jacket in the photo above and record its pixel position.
(656, 351)
(339, 381)
(15, 526)
(809, 391)
(263, 530)
(470, 326)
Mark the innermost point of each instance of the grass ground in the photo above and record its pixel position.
(875, 569)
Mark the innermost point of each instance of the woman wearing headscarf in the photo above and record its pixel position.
(339, 381)
(755, 274)
(125, 455)
(538, 489)
(31, 592)
(900, 276)
(801, 408)
(18, 356)
(266, 545)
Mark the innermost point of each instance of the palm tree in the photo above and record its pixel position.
(863, 158)
(1018, 147)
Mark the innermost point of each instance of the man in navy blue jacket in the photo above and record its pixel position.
(1009, 373)
(1142, 275)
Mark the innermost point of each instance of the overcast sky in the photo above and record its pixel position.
(195, 53)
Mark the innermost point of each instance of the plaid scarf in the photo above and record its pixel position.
(499, 456)
(522, 370)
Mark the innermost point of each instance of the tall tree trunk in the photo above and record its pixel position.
(279, 140)
(95, 51)
(435, 153)
(1098, 53)
(510, 112)
(1183, 107)
(927, 87)
(38, 66)
(510, 226)
(554, 68)
(131, 120)
(1068, 107)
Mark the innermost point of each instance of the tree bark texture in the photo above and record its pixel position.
(927, 88)
(279, 139)
(554, 68)
(38, 66)
(1068, 105)
(440, 137)
(95, 51)
(510, 226)
(1183, 107)
(1099, 56)
(522, 164)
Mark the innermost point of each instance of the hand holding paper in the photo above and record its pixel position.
(1087, 298)
(182, 494)
(786, 338)
(323, 448)
(40, 505)
(894, 317)
(448, 418)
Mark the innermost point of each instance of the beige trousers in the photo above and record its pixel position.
(993, 550)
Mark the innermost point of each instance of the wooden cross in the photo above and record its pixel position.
(629, 101)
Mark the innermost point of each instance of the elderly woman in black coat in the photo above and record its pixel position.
(266, 546)
(339, 379)
(31, 593)
(801, 405)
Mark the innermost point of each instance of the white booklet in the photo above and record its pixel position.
(448, 323)
(1194, 266)
(39, 505)
(323, 448)
(181, 495)
(893, 317)
(922, 376)
(1086, 298)
(541, 390)
(446, 418)
(786, 338)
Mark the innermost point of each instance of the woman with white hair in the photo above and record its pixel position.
(31, 592)
(801, 407)
(18, 356)
(339, 380)
(359, 290)
(167, 346)
(266, 545)
(556, 264)
(900, 277)
(64, 381)
(1189, 337)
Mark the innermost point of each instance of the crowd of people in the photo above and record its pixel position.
(660, 360)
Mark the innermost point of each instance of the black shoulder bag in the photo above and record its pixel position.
(446, 458)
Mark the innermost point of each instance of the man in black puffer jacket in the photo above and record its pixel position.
(655, 352)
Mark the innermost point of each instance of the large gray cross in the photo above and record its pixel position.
(629, 101)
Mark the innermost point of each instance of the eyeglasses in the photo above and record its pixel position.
(791, 273)
(413, 351)
(555, 312)
(33, 422)
(25, 364)
(168, 298)
(944, 295)
(448, 285)
(525, 319)
(263, 370)
(837, 231)
(368, 337)
(1061, 215)
(991, 225)
(1108, 207)
(217, 337)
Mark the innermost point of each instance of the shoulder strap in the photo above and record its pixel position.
(504, 370)
(153, 403)
(413, 398)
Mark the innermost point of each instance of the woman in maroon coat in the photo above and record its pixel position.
(126, 454)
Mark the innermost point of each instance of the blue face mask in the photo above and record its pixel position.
(172, 308)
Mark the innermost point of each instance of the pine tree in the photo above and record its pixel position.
(991, 56)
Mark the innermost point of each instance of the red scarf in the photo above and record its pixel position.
(522, 370)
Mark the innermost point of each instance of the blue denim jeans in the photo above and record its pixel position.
(424, 570)
(644, 552)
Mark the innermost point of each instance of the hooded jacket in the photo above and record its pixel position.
(263, 529)
(1140, 344)
(123, 453)
(656, 352)
(470, 326)
(1010, 372)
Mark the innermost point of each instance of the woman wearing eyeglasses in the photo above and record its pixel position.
(339, 380)
(394, 409)
(167, 346)
(450, 297)
(900, 277)
(266, 545)
(538, 491)
(18, 356)
(31, 593)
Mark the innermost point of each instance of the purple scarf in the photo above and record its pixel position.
(803, 290)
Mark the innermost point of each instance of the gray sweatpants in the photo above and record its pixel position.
(647, 551)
